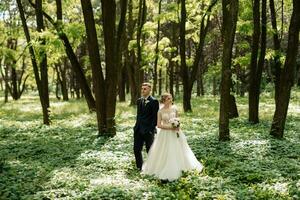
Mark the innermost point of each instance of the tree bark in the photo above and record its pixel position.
(287, 76)
(253, 106)
(276, 47)
(112, 42)
(97, 75)
(190, 76)
(35, 65)
(230, 15)
(141, 21)
(183, 67)
(156, 50)
(43, 64)
(132, 69)
(122, 84)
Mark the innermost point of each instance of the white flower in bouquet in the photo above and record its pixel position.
(175, 122)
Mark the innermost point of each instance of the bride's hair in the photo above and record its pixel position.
(164, 96)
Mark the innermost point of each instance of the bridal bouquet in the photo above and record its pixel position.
(175, 122)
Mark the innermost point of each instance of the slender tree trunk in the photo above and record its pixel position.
(183, 67)
(230, 15)
(261, 60)
(120, 47)
(287, 76)
(122, 84)
(253, 106)
(173, 55)
(130, 58)
(156, 50)
(141, 21)
(61, 70)
(200, 87)
(6, 90)
(112, 42)
(190, 76)
(160, 81)
(276, 41)
(214, 89)
(34, 64)
(97, 75)
(43, 64)
(177, 91)
(171, 76)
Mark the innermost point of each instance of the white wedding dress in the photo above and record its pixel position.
(169, 155)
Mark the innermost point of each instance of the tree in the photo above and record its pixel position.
(43, 63)
(287, 74)
(230, 15)
(39, 83)
(156, 50)
(112, 42)
(257, 66)
(276, 47)
(61, 69)
(140, 23)
(97, 75)
(189, 76)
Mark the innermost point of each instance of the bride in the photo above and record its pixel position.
(170, 153)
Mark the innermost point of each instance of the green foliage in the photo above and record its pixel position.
(68, 161)
(243, 61)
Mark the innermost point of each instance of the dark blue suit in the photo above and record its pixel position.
(144, 128)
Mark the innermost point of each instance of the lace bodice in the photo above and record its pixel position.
(167, 114)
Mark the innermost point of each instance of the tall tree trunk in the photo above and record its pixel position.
(122, 84)
(287, 76)
(61, 70)
(183, 67)
(214, 89)
(34, 64)
(130, 58)
(160, 81)
(97, 75)
(189, 76)
(200, 86)
(120, 47)
(173, 64)
(276, 47)
(141, 21)
(253, 106)
(261, 60)
(43, 63)
(112, 42)
(156, 50)
(171, 76)
(230, 15)
(6, 90)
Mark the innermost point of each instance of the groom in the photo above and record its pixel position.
(146, 119)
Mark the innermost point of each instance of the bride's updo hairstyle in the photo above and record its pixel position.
(164, 96)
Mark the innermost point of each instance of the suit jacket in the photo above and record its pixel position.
(146, 118)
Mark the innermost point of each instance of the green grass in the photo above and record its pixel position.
(68, 161)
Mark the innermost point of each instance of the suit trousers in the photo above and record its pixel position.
(139, 140)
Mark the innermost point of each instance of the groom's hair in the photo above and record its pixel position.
(147, 84)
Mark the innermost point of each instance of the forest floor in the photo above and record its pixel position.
(68, 161)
